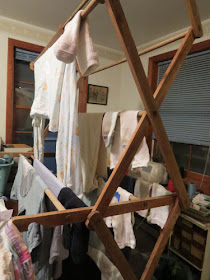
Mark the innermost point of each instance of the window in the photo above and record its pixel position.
(185, 111)
(20, 91)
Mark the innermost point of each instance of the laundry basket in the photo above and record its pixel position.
(4, 174)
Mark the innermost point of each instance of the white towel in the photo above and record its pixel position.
(108, 127)
(66, 46)
(108, 270)
(122, 224)
(128, 124)
(76, 41)
(141, 190)
(159, 215)
(121, 133)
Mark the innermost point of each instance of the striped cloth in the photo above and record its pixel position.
(23, 268)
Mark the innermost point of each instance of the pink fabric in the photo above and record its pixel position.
(23, 268)
(77, 42)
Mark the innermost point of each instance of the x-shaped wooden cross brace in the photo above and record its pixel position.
(94, 215)
(151, 115)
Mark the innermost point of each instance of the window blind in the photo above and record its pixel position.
(185, 111)
(25, 55)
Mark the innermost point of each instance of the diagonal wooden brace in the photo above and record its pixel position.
(161, 242)
(97, 223)
(117, 16)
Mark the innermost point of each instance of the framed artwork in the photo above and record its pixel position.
(97, 95)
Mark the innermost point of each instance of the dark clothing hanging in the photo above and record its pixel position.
(79, 265)
(75, 236)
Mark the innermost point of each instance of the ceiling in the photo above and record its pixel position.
(148, 19)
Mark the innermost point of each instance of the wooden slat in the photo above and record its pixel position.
(83, 91)
(149, 49)
(10, 92)
(23, 107)
(173, 68)
(117, 257)
(46, 131)
(119, 21)
(16, 154)
(160, 93)
(90, 7)
(23, 132)
(54, 200)
(161, 242)
(194, 17)
(56, 218)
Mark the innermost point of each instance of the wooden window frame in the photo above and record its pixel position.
(12, 43)
(153, 78)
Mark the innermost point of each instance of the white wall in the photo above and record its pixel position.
(111, 78)
(122, 95)
(32, 34)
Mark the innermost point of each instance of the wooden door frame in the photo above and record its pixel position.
(12, 43)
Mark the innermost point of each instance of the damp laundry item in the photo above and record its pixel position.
(48, 75)
(6, 261)
(93, 158)
(75, 236)
(48, 178)
(108, 127)
(108, 270)
(122, 224)
(117, 132)
(159, 215)
(76, 42)
(22, 263)
(29, 190)
(68, 142)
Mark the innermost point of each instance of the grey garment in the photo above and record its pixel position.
(90, 199)
(57, 252)
(29, 190)
(49, 179)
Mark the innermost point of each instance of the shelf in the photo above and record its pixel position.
(23, 107)
(178, 254)
(24, 82)
(23, 132)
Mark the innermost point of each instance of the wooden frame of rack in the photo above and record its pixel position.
(94, 215)
(11, 107)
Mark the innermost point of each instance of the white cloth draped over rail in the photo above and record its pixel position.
(117, 131)
(56, 98)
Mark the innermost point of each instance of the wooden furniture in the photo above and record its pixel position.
(94, 215)
(192, 175)
(20, 92)
(191, 241)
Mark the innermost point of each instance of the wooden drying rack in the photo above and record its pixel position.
(94, 215)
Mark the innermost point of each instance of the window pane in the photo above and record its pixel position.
(23, 121)
(24, 138)
(181, 152)
(24, 95)
(199, 157)
(23, 71)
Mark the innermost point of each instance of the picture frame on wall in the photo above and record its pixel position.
(97, 94)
